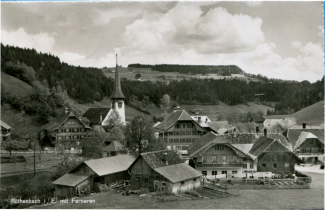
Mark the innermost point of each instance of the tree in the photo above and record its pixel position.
(113, 120)
(93, 144)
(117, 134)
(140, 136)
(165, 101)
(68, 162)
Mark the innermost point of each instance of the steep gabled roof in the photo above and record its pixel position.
(72, 179)
(5, 125)
(62, 119)
(93, 114)
(173, 118)
(117, 92)
(178, 172)
(282, 139)
(110, 165)
(236, 141)
(158, 159)
(203, 141)
(293, 134)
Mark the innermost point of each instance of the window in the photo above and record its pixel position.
(67, 130)
(182, 140)
(194, 133)
(184, 125)
(264, 164)
(184, 147)
(176, 140)
(244, 165)
(60, 137)
(163, 184)
(75, 130)
(214, 172)
(224, 159)
(177, 126)
(219, 147)
(188, 132)
(182, 182)
(194, 180)
(76, 137)
(251, 165)
(146, 180)
(286, 165)
(275, 165)
(188, 140)
(171, 140)
(82, 130)
(204, 159)
(204, 173)
(176, 133)
(183, 133)
(214, 159)
(178, 147)
(189, 125)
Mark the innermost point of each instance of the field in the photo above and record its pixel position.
(249, 199)
(48, 162)
(15, 87)
(157, 75)
(313, 114)
(213, 111)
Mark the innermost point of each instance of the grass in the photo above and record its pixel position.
(313, 114)
(15, 87)
(249, 199)
(47, 163)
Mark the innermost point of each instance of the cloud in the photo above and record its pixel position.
(41, 41)
(254, 3)
(82, 60)
(105, 17)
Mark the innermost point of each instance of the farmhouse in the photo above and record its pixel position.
(5, 131)
(233, 155)
(307, 143)
(92, 172)
(180, 130)
(67, 131)
(163, 171)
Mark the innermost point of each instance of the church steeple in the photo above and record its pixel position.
(117, 96)
(117, 92)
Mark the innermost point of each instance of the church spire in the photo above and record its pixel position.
(117, 92)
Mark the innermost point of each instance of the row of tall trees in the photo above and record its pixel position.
(225, 70)
(88, 84)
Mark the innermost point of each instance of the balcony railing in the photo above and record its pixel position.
(219, 165)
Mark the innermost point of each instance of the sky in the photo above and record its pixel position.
(276, 39)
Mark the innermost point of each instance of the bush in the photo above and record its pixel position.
(193, 193)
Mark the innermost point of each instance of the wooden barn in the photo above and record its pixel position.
(91, 172)
(163, 171)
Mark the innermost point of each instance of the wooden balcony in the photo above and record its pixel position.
(228, 165)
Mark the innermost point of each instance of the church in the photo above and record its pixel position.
(99, 116)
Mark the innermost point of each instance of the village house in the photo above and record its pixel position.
(5, 131)
(67, 131)
(90, 173)
(114, 148)
(180, 130)
(235, 155)
(163, 171)
(307, 143)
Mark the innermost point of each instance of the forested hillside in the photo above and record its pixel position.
(192, 69)
(88, 84)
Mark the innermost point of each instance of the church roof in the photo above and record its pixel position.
(117, 92)
(93, 114)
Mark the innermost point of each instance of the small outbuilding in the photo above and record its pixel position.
(163, 171)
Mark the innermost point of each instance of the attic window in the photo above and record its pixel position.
(219, 147)
(275, 165)
(182, 182)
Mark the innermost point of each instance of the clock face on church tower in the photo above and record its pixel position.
(120, 103)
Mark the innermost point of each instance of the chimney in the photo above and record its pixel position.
(100, 117)
(165, 158)
(199, 119)
(304, 125)
(206, 120)
(265, 132)
(66, 110)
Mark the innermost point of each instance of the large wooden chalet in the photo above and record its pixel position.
(164, 171)
(67, 131)
(236, 154)
(180, 130)
(307, 143)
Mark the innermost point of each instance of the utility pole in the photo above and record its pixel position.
(34, 155)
